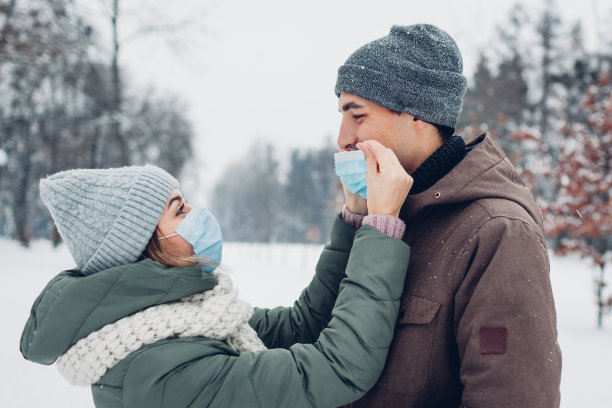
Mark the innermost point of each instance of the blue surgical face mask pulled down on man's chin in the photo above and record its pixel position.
(202, 231)
(351, 168)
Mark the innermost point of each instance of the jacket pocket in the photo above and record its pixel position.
(409, 357)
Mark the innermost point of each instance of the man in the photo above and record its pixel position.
(477, 324)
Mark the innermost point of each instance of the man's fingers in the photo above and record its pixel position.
(371, 162)
(385, 157)
(376, 148)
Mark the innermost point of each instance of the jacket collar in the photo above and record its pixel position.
(485, 172)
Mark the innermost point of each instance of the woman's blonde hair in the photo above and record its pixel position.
(154, 251)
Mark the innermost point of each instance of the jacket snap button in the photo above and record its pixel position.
(437, 195)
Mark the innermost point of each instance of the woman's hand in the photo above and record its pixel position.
(388, 182)
(355, 203)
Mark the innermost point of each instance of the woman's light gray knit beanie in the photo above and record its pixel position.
(107, 216)
(415, 69)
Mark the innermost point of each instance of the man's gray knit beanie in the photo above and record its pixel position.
(107, 216)
(415, 69)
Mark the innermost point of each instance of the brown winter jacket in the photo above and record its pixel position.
(477, 325)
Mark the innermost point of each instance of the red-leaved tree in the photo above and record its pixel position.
(582, 213)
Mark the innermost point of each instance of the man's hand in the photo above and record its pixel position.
(388, 182)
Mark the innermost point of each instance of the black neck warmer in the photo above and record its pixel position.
(438, 164)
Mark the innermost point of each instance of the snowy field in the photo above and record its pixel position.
(271, 276)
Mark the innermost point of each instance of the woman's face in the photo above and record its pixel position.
(174, 213)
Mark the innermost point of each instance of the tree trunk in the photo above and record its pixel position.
(21, 197)
(117, 94)
(600, 300)
(56, 239)
(9, 10)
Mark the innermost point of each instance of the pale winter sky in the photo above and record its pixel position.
(265, 70)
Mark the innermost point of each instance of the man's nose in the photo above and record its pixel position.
(346, 136)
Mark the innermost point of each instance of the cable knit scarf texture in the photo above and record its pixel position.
(216, 314)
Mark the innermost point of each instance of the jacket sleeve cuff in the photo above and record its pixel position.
(387, 224)
(354, 220)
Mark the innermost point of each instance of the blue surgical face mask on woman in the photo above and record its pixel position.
(202, 231)
(351, 168)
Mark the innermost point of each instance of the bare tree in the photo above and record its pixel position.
(61, 109)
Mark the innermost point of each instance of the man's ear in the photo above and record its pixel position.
(418, 123)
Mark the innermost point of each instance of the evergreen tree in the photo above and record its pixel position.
(247, 198)
(497, 99)
(309, 195)
(252, 204)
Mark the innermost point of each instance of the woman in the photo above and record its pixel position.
(141, 324)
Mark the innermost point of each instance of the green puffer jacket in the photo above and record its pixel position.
(347, 314)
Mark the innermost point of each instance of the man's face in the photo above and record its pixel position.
(364, 120)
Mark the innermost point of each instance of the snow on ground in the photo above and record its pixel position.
(272, 275)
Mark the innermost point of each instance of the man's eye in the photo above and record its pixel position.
(358, 116)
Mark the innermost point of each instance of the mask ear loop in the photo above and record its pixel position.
(168, 236)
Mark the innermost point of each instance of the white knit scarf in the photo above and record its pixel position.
(216, 313)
